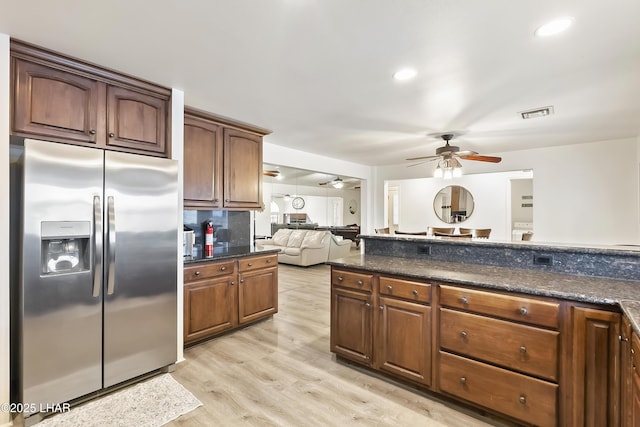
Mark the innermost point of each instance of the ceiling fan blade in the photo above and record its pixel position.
(466, 153)
(416, 164)
(490, 159)
(423, 157)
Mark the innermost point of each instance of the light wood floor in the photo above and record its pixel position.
(280, 372)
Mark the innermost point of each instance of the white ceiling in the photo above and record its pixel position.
(318, 72)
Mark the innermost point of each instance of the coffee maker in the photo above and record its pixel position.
(188, 240)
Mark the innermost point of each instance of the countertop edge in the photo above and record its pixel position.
(215, 258)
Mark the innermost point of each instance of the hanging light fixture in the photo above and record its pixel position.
(448, 168)
(337, 183)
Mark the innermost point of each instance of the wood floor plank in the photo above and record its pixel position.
(280, 372)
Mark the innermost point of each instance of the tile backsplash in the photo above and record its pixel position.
(231, 228)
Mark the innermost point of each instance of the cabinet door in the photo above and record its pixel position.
(596, 367)
(136, 121)
(209, 308)
(626, 375)
(351, 322)
(257, 294)
(242, 169)
(404, 339)
(49, 103)
(202, 163)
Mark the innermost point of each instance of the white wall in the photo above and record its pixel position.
(177, 153)
(584, 193)
(490, 196)
(4, 226)
(316, 204)
(278, 155)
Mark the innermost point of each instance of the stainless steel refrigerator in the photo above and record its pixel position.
(94, 265)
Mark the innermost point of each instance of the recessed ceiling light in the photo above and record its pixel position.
(405, 74)
(554, 27)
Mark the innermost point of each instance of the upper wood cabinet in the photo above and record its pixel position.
(222, 162)
(66, 100)
(202, 163)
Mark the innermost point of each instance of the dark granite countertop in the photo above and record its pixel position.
(220, 253)
(622, 293)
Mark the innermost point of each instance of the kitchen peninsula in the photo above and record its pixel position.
(539, 334)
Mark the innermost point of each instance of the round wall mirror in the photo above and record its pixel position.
(453, 204)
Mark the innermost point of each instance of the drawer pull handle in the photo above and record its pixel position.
(463, 334)
(523, 311)
(197, 273)
(340, 278)
(523, 349)
(269, 261)
(463, 380)
(223, 268)
(111, 134)
(250, 264)
(389, 288)
(464, 300)
(360, 282)
(92, 131)
(522, 400)
(415, 293)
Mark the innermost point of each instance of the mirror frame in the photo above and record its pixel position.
(438, 210)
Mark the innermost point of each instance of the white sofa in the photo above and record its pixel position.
(305, 247)
(339, 247)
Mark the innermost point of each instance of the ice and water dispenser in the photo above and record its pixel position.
(65, 246)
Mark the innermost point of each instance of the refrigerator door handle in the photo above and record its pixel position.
(97, 245)
(111, 233)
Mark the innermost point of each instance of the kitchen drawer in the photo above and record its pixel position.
(207, 270)
(521, 309)
(414, 291)
(528, 399)
(254, 263)
(520, 347)
(348, 279)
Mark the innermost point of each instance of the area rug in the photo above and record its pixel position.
(151, 403)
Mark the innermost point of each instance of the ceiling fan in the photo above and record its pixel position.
(335, 183)
(449, 155)
(271, 173)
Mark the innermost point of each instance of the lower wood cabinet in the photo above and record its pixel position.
(534, 360)
(222, 295)
(595, 367)
(384, 323)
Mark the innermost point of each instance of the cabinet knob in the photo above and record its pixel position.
(360, 282)
(463, 380)
(226, 200)
(269, 261)
(523, 311)
(389, 288)
(340, 278)
(522, 400)
(381, 308)
(464, 300)
(197, 273)
(111, 134)
(415, 293)
(216, 200)
(233, 283)
(621, 338)
(92, 131)
(223, 268)
(463, 334)
(250, 264)
(523, 349)
(368, 305)
(241, 280)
